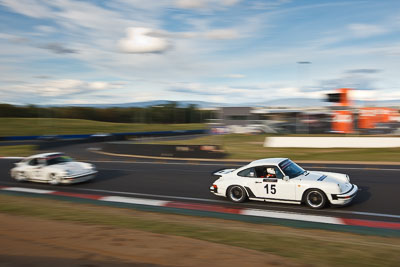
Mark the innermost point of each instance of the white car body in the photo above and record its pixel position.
(291, 184)
(53, 168)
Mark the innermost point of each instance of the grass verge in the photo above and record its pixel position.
(239, 146)
(310, 247)
(50, 126)
(17, 151)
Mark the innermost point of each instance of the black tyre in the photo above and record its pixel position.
(315, 199)
(54, 179)
(236, 194)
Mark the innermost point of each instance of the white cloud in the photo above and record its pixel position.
(222, 34)
(366, 30)
(57, 88)
(199, 4)
(98, 85)
(188, 4)
(45, 29)
(235, 76)
(142, 40)
(31, 8)
(229, 2)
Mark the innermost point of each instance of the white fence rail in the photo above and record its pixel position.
(330, 142)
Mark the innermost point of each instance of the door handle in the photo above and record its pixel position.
(271, 180)
(258, 182)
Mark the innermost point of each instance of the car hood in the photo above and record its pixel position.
(326, 177)
(73, 167)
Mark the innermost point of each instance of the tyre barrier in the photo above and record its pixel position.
(115, 136)
(172, 151)
(53, 141)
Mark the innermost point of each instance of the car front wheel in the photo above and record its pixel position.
(237, 194)
(54, 179)
(315, 199)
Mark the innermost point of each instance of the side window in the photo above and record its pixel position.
(268, 172)
(248, 173)
(42, 161)
(279, 174)
(261, 171)
(33, 162)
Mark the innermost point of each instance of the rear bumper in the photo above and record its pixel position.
(216, 191)
(79, 178)
(344, 198)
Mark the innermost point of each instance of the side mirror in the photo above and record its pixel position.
(286, 178)
(251, 174)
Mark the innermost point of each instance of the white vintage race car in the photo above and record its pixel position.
(282, 180)
(53, 168)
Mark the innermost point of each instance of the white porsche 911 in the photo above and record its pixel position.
(282, 180)
(53, 168)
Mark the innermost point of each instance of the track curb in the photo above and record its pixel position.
(291, 219)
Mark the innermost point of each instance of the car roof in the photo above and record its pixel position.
(45, 155)
(267, 161)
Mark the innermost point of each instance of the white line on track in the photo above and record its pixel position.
(150, 195)
(235, 164)
(139, 201)
(181, 170)
(166, 163)
(29, 190)
(291, 216)
(238, 165)
(376, 214)
(354, 168)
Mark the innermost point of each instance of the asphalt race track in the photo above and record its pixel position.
(378, 199)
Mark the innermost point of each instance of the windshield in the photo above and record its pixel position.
(58, 159)
(291, 169)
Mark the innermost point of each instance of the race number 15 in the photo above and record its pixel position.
(270, 188)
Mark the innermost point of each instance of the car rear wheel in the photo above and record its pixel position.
(237, 194)
(315, 199)
(54, 179)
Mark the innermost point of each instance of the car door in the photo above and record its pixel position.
(30, 168)
(38, 170)
(252, 182)
(273, 188)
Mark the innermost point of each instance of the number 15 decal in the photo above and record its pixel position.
(270, 188)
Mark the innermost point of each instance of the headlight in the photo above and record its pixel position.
(90, 167)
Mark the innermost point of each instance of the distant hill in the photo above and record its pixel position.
(281, 102)
(148, 104)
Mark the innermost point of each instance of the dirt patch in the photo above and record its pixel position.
(27, 241)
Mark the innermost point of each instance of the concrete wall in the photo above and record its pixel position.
(330, 142)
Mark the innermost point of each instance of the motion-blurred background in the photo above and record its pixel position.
(247, 67)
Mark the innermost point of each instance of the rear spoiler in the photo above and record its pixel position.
(223, 171)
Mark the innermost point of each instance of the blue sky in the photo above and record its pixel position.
(92, 52)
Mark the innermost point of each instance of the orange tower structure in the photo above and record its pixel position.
(342, 120)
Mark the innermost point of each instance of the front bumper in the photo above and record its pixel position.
(344, 198)
(79, 178)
